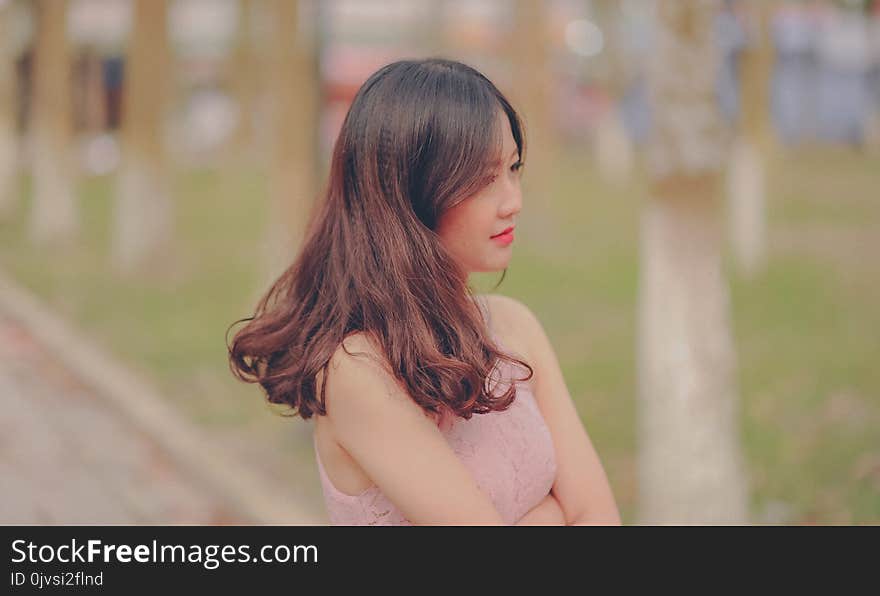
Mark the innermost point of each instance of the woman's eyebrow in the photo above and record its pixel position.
(497, 162)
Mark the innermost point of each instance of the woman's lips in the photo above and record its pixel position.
(504, 238)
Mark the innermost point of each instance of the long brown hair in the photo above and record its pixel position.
(419, 137)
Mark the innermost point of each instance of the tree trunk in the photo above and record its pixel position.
(746, 190)
(614, 152)
(92, 108)
(690, 467)
(244, 79)
(532, 88)
(295, 92)
(433, 28)
(143, 217)
(54, 217)
(746, 186)
(612, 146)
(8, 132)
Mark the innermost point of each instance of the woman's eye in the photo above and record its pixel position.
(517, 166)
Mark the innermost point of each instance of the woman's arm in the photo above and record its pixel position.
(546, 513)
(581, 486)
(549, 513)
(397, 445)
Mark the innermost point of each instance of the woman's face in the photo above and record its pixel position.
(471, 230)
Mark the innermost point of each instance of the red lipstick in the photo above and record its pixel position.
(505, 237)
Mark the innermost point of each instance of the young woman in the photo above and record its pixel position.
(432, 405)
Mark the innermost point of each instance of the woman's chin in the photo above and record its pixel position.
(496, 266)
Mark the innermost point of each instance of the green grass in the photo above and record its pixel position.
(807, 327)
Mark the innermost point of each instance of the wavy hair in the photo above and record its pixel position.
(420, 136)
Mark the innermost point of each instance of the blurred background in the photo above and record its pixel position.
(699, 237)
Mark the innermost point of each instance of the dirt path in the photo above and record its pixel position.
(67, 458)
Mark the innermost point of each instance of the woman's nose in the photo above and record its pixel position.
(512, 202)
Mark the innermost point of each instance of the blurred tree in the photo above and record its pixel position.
(433, 29)
(532, 87)
(690, 467)
(294, 104)
(54, 217)
(143, 216)
(90, 112)
(8, 132)
(746, 177)
(245, 78)
(613, 149)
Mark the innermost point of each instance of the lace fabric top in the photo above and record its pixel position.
(509, 454)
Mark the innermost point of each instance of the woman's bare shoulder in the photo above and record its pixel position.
(356, 355)
(513, 321)
(395, 445)
(358, 375)
(506, 306)
(357, 350)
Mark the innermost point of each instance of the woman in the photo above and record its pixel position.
(421, 415)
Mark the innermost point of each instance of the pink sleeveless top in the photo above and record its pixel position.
(509, 454)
